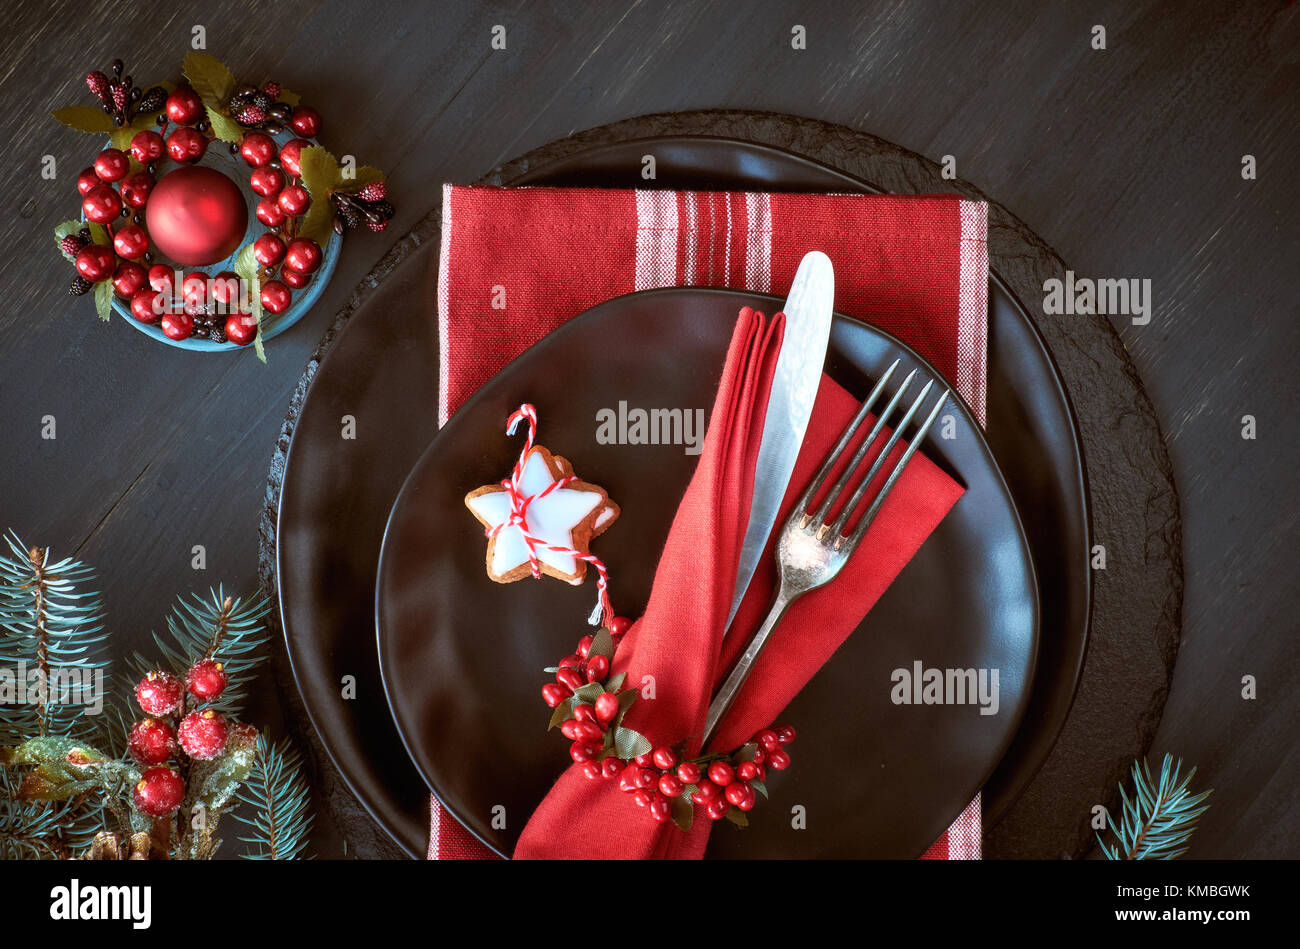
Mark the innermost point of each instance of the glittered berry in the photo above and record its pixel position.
(129, 278)
(553, 694)
(720, 773)
(158, 792)
(203, 734)
(305, 121)
(147, 306)
(272, 89)
(95, 262)
(101, 204)
(131, 242)
(159, 693)
(670, 785)
(206, 680)
(268, 249)
(767, 740)
(266, 181)
(619, 625)
(611, 767)
(597, 668)
(147, 146)
(785, 734)
(112, 165)
(688, 772)
(186, 145)
(294, 200)
(241, 328)
(304, 255)
(778, 760)
(664, 758)
(71, 243)
(257, 149)
(276, 297)
(151, 741)
(372, 192)
(87, 180)
(178, 325)
(184, 107)
(747, 771)
(97, 82)
(567, 677)
(250, 115)
(136, 189)
(291, 155)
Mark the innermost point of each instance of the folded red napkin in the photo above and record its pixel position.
(516, 263)
(679, 640)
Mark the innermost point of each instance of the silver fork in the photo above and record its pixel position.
(811, 551)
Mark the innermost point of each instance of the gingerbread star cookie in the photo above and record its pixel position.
(566, 516)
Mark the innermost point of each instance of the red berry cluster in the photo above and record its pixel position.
(591, 720)
(156, 741)
(717, 783)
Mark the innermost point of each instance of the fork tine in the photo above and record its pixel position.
(912, 446)
(837, 489)
(879, 462)
(818, 479)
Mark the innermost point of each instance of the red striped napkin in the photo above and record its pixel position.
(914, 266)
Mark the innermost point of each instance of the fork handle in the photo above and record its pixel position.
(726, 695)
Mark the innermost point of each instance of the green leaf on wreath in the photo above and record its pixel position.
(99, 234)
(104, 299)
(50, 783)
(625, 700)
(210, 78)
(218, 779)
(121, 137)
(84, 118)
(224, 128)
(359, 178)
(588, 694)
(758, 785)
(737, 817)
(247, 269)
(66, 229)
(746, 753)
(563, 712)
(682, 812)
(288, 96)
(613, 684)
(49, 749)
(630, 743)
(602, 644)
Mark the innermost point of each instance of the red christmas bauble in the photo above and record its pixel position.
(196, 216)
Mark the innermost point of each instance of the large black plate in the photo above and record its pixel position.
(461, 656)
(336, 495)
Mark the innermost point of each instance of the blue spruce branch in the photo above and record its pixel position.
(278, 794)
(1158, 820)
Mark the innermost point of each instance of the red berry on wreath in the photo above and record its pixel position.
(305, 121)
(178, 325)
(294, 279)
(590, 732)
(619, 625)
(664, 758)
(597, 668)
(294, 200)
(129, 279)
(751, 798)
(747, 771)
(159, 792)
(785, 734)
(567, 677)
(136, 189)
(581, 751)
(606, 707)
(241, 328)
(778, 760)
(159, 693)
(647, 778)
(291, 155)
(591, 770)
(112, 165)
(643, 761)
(688, 772)
(257, 149)
(372, 192)
(720, 773)
(87, 180)
(151, 741)
(584, 713)
(266, 181)
(95, 262)
(160, 277)
(303, 255)
(147, 146)
(670, 785)
(194, 287)
(735, 793)
(767, 740)
(101, 204)
(584, 646)
(186, 145)
(569, 728)
(206, 679)
(643, 797)
(660, 809)
(268, 249)
(627, 780)
(203, 734)
(224, 288)
(184, 107)
(269, 213)
(611, 767)
(147, 306)
(571, 661)
(131, 242)
(717, 809)
(553, 694)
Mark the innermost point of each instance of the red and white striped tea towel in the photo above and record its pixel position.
(518, 262)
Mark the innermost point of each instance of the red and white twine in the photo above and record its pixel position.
(519, 502)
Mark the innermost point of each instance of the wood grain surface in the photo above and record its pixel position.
(1125, 161)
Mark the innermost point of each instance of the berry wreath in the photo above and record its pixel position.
(158, 203)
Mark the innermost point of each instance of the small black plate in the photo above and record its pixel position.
(461, 656)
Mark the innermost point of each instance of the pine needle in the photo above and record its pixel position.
(1158, 821)
(279, 796)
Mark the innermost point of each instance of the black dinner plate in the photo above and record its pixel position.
(461, 656)
(336, 496)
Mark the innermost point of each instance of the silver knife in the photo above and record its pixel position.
(794, 388)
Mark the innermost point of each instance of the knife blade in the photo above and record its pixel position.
(789, 406)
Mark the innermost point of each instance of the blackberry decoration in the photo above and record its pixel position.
(79, 286)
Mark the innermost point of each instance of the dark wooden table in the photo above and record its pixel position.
(1127, 161)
